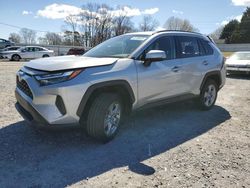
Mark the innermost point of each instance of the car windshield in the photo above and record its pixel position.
(121, 46)
(241, 56)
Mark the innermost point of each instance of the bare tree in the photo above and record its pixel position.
(14, 37)
(122, 24)
(28, 36)
(174, 23)
(96, 23)
(217, 33)
(42, 40)
(71, 21)
(148, 23)
(53, 38)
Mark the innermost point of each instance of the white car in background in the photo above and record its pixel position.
(2, 51)
(28, 52)
(239, 62)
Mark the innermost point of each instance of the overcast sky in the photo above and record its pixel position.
(48, 15)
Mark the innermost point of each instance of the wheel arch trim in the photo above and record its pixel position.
(100, 85)
(210, 74)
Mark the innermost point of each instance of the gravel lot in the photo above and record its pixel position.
(171, 146)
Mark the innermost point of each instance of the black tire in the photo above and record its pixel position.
(15, 57)
(45, 55)
(98, 111)
(210, 88)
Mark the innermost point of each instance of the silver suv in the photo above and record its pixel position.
(125, 73)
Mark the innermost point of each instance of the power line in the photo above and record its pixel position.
(18, 27)
(39, 31)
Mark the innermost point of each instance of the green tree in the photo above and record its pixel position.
(236, 36)
(244, 27)
(229, 30)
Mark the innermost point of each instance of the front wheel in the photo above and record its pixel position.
(15, 57)
(104, 117)
(208, 95)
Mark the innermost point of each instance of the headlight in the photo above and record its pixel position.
(54, 78)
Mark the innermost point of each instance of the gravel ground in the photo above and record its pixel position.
(171, 146)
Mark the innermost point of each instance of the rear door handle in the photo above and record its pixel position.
(205, 63)
(176, 68)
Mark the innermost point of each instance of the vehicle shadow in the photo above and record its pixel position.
(36, 158)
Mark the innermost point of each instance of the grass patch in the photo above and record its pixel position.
(227, 54)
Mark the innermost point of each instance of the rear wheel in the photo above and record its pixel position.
(104, 117)
(15, 57)
(208, 95)
(45, 55)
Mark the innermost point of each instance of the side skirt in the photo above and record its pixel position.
(167, 101)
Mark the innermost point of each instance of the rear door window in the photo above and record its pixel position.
(187, 47)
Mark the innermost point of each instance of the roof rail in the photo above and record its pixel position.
(166, 30)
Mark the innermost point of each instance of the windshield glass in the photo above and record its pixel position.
(121, 46)
(241, 56)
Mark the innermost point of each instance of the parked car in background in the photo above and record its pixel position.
(239, 62)
(12, 48)
(5, 43)
(28, 52)
(76, 51)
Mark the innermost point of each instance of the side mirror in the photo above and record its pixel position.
(154, 55)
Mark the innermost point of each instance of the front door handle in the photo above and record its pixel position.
(205, 63)
(176, 68)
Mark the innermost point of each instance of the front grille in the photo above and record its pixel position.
(238, 66)
(23, 86)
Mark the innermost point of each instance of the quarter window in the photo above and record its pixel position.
(206, 48)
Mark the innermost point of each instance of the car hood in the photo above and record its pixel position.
(237, 62)
(68, 62)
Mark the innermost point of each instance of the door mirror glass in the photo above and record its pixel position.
(154, 55)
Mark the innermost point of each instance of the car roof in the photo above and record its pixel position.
(178, 32)
(141, 33)
(164, 31)
(33, 46)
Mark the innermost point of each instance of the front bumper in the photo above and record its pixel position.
(238, 69)
(49, 106)
(27, 111)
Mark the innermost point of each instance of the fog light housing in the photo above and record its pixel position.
(60, 105)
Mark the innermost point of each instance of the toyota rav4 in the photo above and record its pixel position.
(122, 74)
